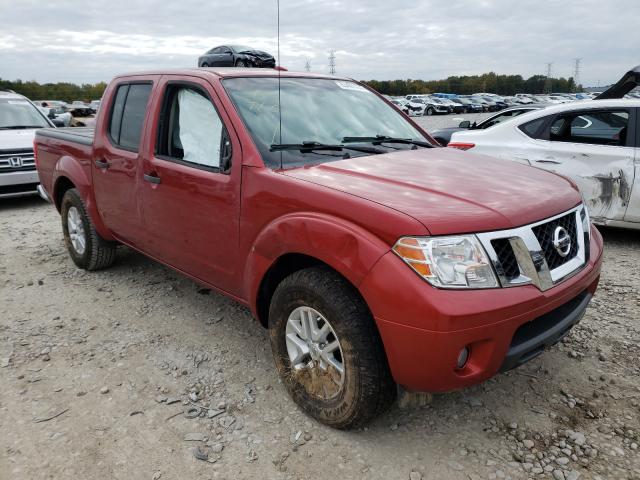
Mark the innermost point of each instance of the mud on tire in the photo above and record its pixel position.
(98, 253)
(368, 388)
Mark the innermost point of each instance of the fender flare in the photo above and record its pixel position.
(346, 247)
(71, 169)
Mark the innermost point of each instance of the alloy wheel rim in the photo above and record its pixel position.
(75, 226)
(315, 353)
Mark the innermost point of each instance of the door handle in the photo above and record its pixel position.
(101, 163)
(151, 178)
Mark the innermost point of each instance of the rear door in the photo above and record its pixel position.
(595, 149)
(191, 184)
(116, 162)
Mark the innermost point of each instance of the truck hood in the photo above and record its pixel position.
(447, 190)
(17, 139)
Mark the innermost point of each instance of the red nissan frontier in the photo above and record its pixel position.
(376, 259)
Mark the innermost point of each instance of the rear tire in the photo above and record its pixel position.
(87, 248)
(205, 64)
(364, 388)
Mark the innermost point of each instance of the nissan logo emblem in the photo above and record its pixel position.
(561, 241)
(15, 162)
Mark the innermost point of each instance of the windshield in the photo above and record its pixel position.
(19, 113)
(314, 110)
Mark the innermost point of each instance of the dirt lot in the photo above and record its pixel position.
(101, 372)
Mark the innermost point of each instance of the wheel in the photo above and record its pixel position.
(243, 63)
(87, 248)
(205, 64)
(327, 349)
(429, 111)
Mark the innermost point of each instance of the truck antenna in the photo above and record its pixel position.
(279, 101)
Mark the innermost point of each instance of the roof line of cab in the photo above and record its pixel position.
(231, 72)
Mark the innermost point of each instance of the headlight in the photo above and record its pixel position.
(448, 262)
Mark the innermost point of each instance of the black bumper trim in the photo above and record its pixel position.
(533, 337)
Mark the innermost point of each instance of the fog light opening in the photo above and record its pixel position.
(463, 356)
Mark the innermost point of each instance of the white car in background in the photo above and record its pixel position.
(596, 143)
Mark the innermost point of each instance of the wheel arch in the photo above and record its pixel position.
(69, 173)
(295, 242)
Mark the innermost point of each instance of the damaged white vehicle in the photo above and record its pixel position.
(596, 143)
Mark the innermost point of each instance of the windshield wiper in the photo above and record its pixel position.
(378, 139)
(310, 146)
(20, 127)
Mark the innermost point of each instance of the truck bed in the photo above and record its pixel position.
(82, 135)
(62, 145)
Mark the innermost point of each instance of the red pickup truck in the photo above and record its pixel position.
(376, 259)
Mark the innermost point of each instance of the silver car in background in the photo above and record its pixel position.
(19, 119)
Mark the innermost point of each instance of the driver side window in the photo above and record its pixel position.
(191, 132)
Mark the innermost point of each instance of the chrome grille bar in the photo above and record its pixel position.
(532, 264)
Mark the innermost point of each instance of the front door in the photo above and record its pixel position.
(117, 161)
(191, 185)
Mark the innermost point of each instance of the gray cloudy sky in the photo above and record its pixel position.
(88, 41)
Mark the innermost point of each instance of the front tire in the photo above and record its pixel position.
(327, 349)
(87, 248)
(429, 111)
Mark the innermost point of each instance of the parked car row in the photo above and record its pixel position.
(77, 108)
(444, 103)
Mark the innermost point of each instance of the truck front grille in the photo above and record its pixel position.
(544, 234)
(527, 255)
(506, 257)
(17, 160)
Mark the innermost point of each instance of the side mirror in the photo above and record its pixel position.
(51, 114)
(464, 124)
(57, 123)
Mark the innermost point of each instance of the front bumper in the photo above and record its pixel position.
(15, 184)
(424, 328)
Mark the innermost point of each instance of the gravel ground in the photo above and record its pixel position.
(136, 371)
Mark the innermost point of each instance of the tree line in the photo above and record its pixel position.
(468, 84)
(464, 85)
(67, 92)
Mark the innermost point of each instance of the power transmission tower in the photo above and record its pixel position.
(307, 65)
(332, 62)
(576, 72)
(547, 82)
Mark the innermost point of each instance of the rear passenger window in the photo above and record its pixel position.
(532, 128)
(597, 127)
(127, 115)
(116, 113)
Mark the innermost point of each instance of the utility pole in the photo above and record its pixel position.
(576, 72)
(307, 65)
(547, 82)
(332, 62)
